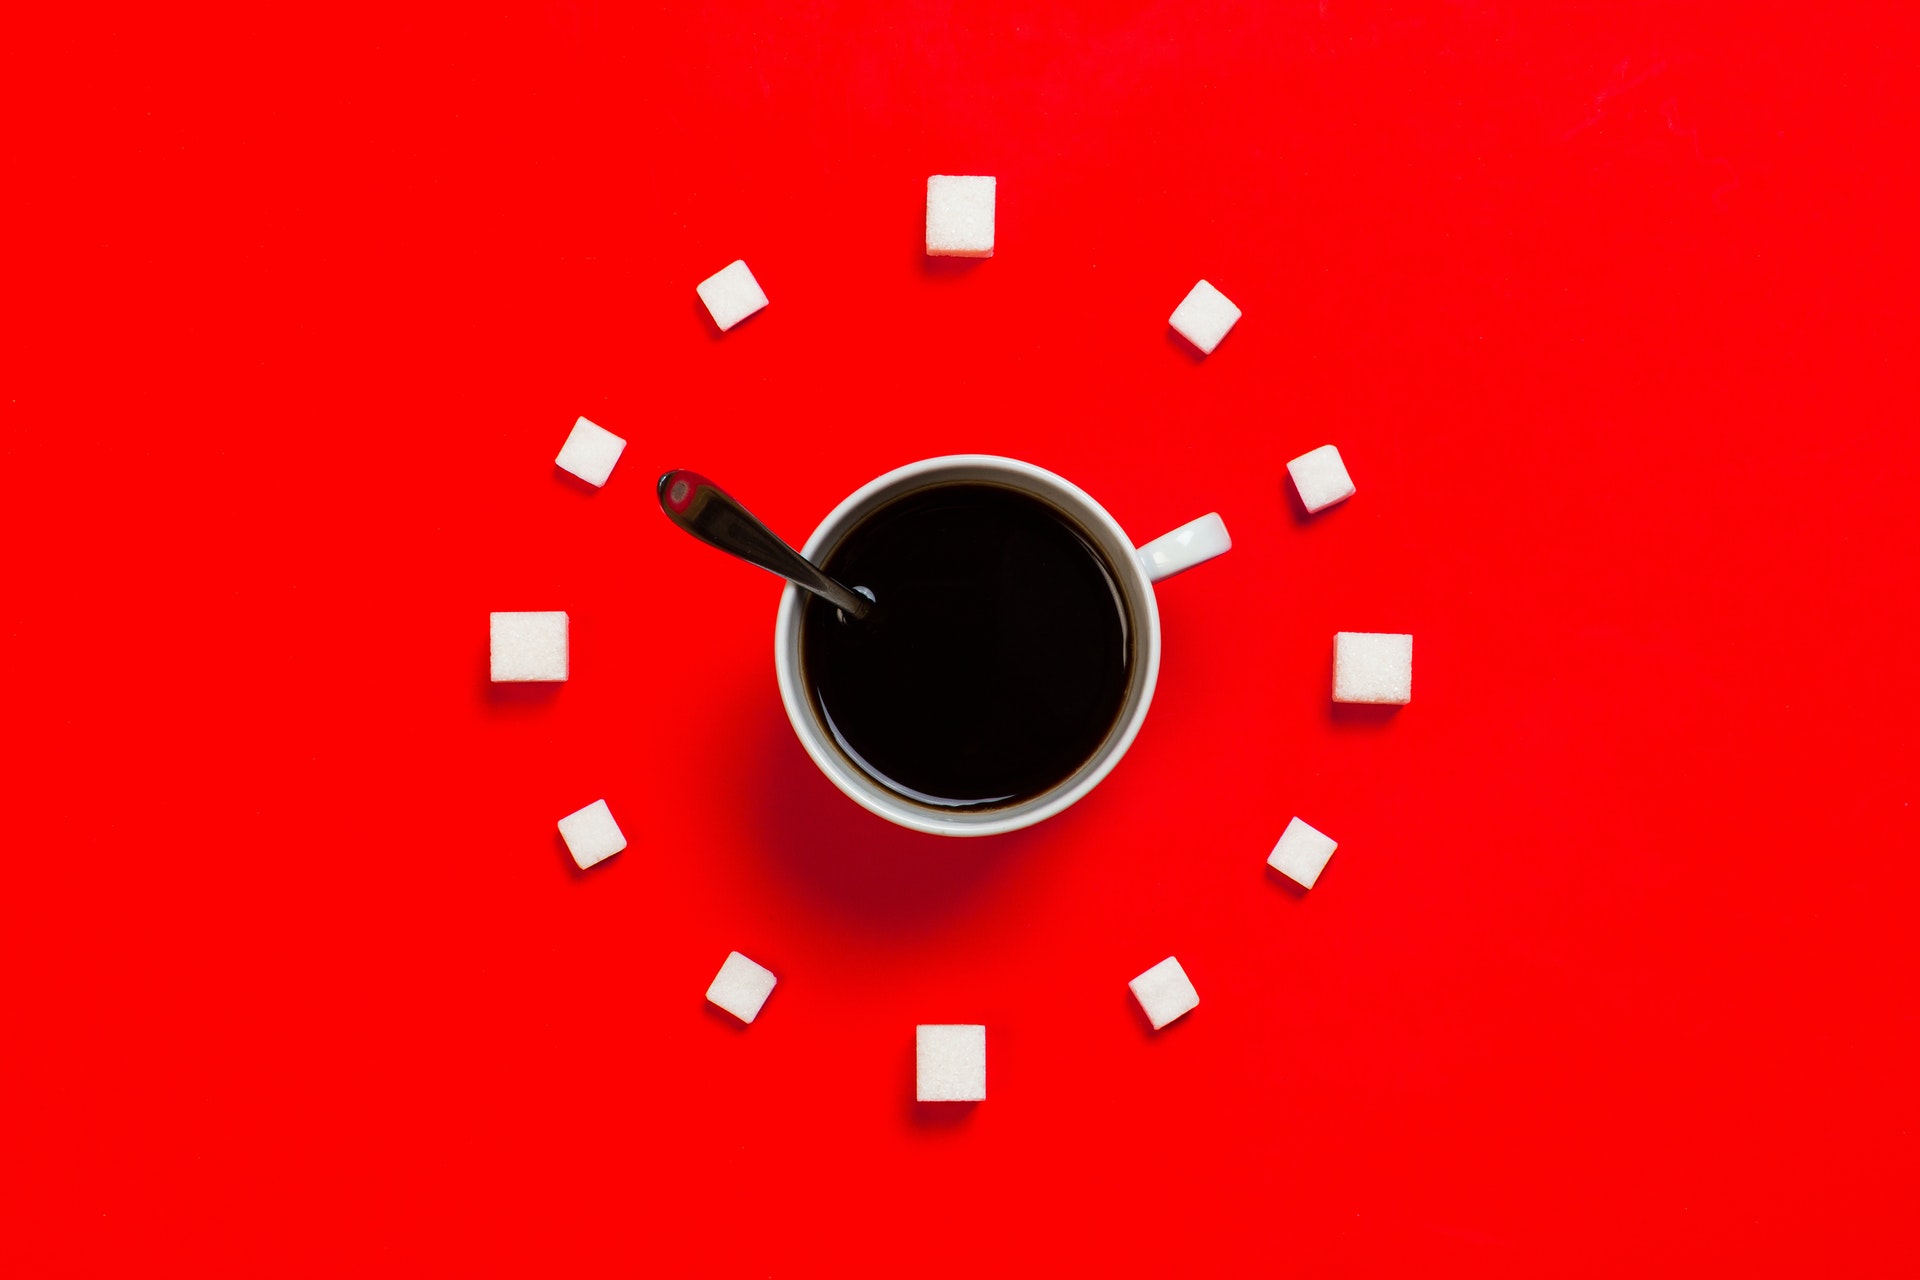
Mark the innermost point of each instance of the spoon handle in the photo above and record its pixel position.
(705, 510)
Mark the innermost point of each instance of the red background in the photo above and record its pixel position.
(1608, 309)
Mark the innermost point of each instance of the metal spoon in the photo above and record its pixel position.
(706, 511)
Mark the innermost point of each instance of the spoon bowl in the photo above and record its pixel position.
(712, 515)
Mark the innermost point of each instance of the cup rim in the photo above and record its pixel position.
(869, 795)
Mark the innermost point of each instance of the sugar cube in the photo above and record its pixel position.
(731, 295)
(1301, 854)
(1321, 478)
(1204, 316)
(1164, 992)
(741, 987)
(590, 452)
(959, 217)
(950, 1063)
(527, 646)
(1372, 667)
(591, 834)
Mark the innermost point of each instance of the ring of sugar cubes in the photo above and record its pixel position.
(590, 452)
(1321, 478)
(960, 216)
(1204, 316)
(949, 1063)
(591, 834)
(731, 294)
(1302, 853)
(1370, 666)
(741, 987)
(1164, 993)
(523, 647)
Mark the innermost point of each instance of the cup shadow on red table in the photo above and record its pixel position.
(872, 876)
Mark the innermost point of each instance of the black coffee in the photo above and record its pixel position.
(995, 661)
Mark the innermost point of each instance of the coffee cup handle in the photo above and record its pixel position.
(1185, 547)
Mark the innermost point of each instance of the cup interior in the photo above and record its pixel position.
(1142, 619)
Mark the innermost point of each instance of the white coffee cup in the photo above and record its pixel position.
(1137, 571)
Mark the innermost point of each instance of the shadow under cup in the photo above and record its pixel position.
(1128, 598)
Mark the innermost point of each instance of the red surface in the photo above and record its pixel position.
(1608, 309)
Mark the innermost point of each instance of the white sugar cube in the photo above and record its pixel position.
(950, 1063)
(1164, 992)
(590, 452)
(527, 646)
(1321, 478)
(741, 987)
(959, 217)
(731, 295)
(591, 834)
(1301, 854)
(1204, 316)
(1372, 667)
